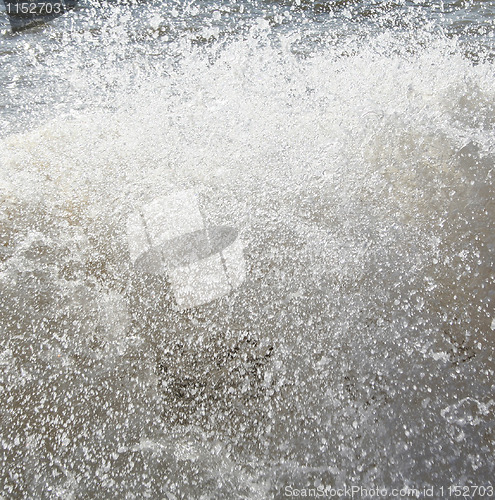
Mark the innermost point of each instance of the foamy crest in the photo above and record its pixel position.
(360, 175)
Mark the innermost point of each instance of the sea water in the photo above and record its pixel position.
(351, 145)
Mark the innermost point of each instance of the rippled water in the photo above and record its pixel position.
(351, 145)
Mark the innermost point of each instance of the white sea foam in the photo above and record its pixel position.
(361, 178)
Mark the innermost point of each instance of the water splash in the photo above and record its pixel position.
(359, 170)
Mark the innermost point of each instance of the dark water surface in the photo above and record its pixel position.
(351, 144)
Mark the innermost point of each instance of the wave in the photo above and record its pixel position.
(360, 176)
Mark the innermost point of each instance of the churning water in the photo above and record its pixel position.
(351, 145)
